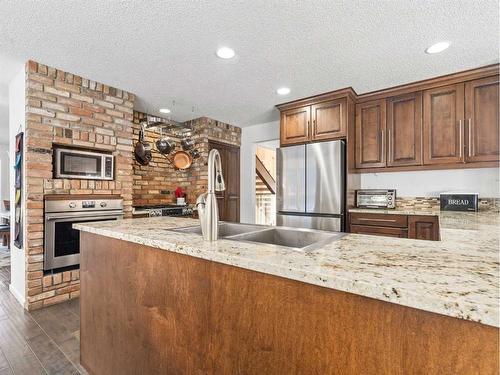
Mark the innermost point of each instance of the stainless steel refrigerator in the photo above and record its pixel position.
(310, 189)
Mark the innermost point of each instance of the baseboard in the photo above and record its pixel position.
(20, 298)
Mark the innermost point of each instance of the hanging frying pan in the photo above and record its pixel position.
(182, 160)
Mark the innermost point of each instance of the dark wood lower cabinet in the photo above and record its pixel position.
(229, 199)
(423, 227)
(418, 227)
(380, 231)
(151, 311)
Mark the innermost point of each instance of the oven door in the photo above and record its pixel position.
(62, 242)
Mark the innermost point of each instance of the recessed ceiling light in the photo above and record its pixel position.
(438, 47)
(283, 91)
(164, 110)
(225, 53)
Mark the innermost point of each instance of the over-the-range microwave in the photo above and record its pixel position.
(83, 164)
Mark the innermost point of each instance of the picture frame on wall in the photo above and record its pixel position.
(18, 189)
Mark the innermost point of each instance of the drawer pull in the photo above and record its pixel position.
(388, 220)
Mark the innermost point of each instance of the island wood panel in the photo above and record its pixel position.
(150, 311)
(482, 120)
(329, 119)
(370, 134)
(444, 125)
(294, 125)
(404, 130)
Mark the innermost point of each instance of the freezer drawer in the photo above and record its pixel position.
(325, 166)
(291, 179)
(333, 224)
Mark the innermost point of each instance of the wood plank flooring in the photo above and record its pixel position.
(45, 341)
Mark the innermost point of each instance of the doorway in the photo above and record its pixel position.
(265, 182)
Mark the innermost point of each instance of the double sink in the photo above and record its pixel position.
(294, 238)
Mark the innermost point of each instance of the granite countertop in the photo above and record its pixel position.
(457, 276)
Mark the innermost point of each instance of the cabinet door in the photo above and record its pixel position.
(370, 134)
(423, 227)
(329, 119)
(482, 122)
(404, 130)
(295, 125)
(443, 125)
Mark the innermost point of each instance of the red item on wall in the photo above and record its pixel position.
(179, 193)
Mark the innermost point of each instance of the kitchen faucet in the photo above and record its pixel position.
(206, 203)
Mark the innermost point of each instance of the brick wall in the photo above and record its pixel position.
(66, 109)
(151, 181)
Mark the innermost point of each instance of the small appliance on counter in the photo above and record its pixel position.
(457, 201)
(376, 198)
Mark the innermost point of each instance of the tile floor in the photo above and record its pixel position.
(41, 342)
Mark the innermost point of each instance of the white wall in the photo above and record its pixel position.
(16, 124)
(4, 173)
(250, 136)
(484, 181)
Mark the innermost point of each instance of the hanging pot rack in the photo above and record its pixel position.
(177, 129)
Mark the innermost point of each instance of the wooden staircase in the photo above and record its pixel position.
(264, 180)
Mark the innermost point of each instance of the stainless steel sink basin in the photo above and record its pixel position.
(225, 229)
(297, 238)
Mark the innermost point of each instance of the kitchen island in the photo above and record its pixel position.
(361, 304)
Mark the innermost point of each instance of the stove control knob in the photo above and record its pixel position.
(72, 204)
(103, 204)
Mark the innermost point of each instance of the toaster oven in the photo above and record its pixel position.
(376, 198)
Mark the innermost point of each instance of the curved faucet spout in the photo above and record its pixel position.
(207, 202)
(215, 178)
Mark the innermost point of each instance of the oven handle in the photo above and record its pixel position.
(74, 215)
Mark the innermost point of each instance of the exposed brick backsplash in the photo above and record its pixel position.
(66, 109)
(160, 175)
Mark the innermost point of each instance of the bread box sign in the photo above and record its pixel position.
(459, 201)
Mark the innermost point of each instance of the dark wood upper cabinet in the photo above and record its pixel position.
(482, 120)
(295, 125)
(370, 134)
(444, 122)
(329, 119)
(228, 201)
(404, 130)
(444, 125)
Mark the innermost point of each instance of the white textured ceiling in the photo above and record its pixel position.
(165, 50)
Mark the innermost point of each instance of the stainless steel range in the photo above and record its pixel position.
(164, 210)
(62, 242)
